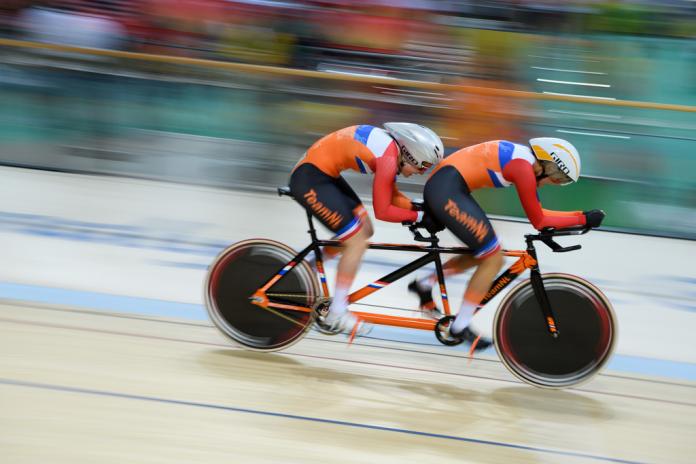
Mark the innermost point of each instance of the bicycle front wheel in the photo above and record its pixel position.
(237, 273)
(586, 325)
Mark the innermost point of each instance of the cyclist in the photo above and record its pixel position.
(447, 195)
(316, 183)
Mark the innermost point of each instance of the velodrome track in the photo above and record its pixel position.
(108, 355)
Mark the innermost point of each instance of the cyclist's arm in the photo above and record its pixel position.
(550, 212)
(384, 190)
(400, 200)
(521, 173)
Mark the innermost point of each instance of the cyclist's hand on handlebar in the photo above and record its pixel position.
(430, 224)
(417, 205)
(594, 218)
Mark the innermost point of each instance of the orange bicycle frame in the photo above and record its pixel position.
(524, 261)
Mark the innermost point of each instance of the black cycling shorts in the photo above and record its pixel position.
(329, 199)
(449, 200)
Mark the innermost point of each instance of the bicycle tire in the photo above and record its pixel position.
(236, 273)
(587, 332)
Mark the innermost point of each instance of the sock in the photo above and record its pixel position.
(466, 312)
(339, 305)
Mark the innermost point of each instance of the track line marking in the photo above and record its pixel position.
(359, 425)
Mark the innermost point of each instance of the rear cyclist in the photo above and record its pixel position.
(447, 195)
(316, 183)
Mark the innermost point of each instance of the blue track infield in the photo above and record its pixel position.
(170, 309)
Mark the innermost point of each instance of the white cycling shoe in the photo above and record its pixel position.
(347, 323)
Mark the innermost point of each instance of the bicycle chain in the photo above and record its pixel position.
(278, 313)
(289, 295)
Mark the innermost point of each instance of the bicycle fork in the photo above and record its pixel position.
(540, 293)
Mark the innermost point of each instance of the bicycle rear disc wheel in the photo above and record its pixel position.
(237, 273)
(586, 326)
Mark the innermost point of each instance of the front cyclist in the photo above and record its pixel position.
(316, 183)
(447, 194)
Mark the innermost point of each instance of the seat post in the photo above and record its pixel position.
(312, 231)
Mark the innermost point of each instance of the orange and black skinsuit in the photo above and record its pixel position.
(492, 164)
(316, 181)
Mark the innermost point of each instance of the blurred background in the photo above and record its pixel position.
(296, 70)
(184, 115)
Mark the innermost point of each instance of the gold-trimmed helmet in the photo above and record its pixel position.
(560, 152)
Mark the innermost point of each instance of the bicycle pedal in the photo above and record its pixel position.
(321, 309)
(325, 328)
(477, 342)
(442, 332)
(321, 306)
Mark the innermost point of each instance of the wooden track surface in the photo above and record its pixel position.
(79, 386)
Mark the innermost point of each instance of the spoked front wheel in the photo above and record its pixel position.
(237, 273)
(586, 325)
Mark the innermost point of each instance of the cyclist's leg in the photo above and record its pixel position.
(487, 269)
(352, 252)
(353, 249)
(433, 195)
(358, 210)
(335, 205)
(449, 200)
(331, 252)
(453, 266)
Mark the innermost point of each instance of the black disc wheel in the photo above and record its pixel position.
(586, 332)
(234, 277)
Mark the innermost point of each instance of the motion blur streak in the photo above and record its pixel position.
(195, 123)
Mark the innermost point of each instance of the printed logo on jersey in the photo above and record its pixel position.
(476, 227)
(331, 218)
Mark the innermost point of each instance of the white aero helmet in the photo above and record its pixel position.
(559, 151)
(419, 146)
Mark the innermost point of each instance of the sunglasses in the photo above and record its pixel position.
(425, 166)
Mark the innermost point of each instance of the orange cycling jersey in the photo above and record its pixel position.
(481, 166)
(500, 163)
(355, 148)
(368, 150)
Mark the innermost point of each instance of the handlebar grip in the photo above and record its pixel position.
(569, 248)
(548, 232)
(418, 205)
(417, 236)
(557, 248)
